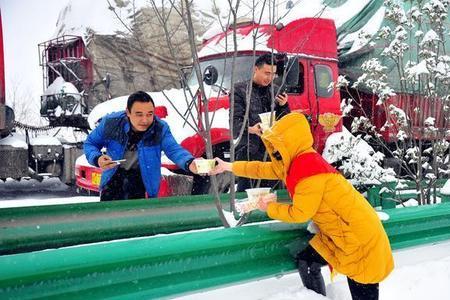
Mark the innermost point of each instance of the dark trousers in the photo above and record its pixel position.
(123, 186)
(309, 263)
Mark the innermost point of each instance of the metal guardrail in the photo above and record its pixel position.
(36, 228)
(165, 266)
(393, 195)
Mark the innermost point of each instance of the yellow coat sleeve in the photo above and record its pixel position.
(254, 169)
(305, 203)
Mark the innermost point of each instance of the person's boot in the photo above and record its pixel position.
(311, 276)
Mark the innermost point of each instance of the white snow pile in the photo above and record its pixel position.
(359, 161)
(445, 190)
(60, 86)
(415, 70)
(44, 141)
(15, 141)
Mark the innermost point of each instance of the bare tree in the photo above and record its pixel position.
(23, 104)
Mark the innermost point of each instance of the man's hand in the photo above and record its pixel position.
(193, 167)
(282, 99)
(265, 200)
(221, 167)
(255, 129)
(105, 162)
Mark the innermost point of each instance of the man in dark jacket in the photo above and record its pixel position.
(256, 98)
(137, 137)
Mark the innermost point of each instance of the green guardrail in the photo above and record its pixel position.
(36, 228)
(392, 195)
(175, 264)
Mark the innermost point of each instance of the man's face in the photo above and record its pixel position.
(141, 115)
(264, 75)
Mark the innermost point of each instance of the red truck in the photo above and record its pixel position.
(307, 60)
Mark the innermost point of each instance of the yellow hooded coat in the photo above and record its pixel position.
(351, 238)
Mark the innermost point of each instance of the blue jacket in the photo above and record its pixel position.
(112, 133)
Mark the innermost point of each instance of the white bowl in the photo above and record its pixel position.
(255, 193)
(266, 121)
(244, 206)
(204, 165)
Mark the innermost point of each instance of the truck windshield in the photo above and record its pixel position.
(244, 68)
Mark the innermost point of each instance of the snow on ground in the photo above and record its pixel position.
(46, 201)
(30, 192)
(415, 277)
(32, 185)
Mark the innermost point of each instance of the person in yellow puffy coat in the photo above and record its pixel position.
(350, 237)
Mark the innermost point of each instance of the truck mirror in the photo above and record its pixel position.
(280, 60)
(210, 75)
(289, 80)
(292, 70)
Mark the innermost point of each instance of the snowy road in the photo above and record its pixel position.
(29, 192)
(420, 273)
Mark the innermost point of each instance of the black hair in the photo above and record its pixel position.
(265, 59)
(138, 96)
(277, 155)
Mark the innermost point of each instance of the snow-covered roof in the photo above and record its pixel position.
(357, 39)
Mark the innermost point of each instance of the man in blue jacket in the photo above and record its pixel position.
(137, 137)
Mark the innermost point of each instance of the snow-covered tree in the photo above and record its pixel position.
(417, 105)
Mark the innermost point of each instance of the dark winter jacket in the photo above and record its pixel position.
(112, 133)
(260, 102)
